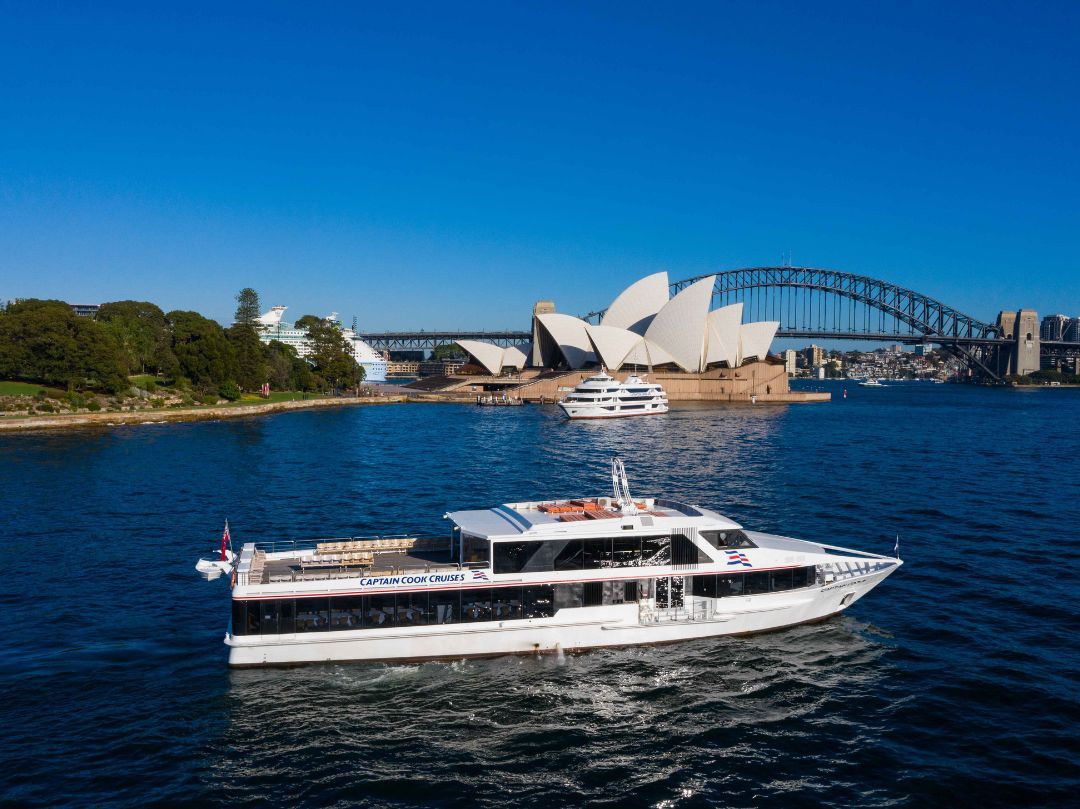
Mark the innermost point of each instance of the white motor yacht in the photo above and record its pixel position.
(536, 577)
(603, 397)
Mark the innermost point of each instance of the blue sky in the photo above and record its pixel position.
(444, 165)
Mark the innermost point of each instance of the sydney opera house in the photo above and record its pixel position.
(696, 352)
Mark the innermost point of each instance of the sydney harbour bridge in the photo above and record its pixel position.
(827, 305)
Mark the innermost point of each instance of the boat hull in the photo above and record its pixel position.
(568, 630)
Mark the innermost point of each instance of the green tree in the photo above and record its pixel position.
(247, 306)
(307, 321)
(285, 369)
(447, 351)
(45, 341)
(142, 331)
(250, 360)
(204, 354)
(332, 355)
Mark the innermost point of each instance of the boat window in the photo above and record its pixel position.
(268, 616)
(287, 625)
(379, 610)
(625, 551)
(522, 557)
(757, 582)
(596, 553)
(412, 609)
(656, 551)
(630, 591)
(239, 617)
(476, 605)
(538, 601)
(802, 577)
(727, 539)
(474, 549)
(445, 606)
(312, 614)
(346, 612)
(704, 586)
(779, 580)
(569, 556)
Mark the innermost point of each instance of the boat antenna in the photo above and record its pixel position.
(621, 487)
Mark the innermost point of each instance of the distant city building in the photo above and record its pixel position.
(440, 367)
(85, 309)
(1072, 331)
(1054, 327)
(789, 361)
(820, 373)
(923, 349)
(270, 327)
(896, 348)
(815, 355)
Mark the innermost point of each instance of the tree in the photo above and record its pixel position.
(204, 354)
(285, 369)
(250, 360)
(447, 351)
(332, 355)
(247, 306)
(45, 341)
(307, 321)
(142, 331)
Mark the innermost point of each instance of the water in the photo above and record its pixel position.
(955, 681)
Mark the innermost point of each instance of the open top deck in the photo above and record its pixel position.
(583, 515)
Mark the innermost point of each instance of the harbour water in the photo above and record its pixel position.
(956, 681)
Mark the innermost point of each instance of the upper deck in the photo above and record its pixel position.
(584, 517)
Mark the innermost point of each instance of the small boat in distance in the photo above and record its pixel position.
(502, 400)
(603, 397)
(871, 383)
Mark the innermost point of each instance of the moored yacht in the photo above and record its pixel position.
(601, 396)
(533, 577)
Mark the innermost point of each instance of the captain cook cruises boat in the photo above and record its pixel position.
(535, 577)
(603, 397)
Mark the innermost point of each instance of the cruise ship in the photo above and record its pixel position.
(271, 327)
(601, 396)
(534, 577)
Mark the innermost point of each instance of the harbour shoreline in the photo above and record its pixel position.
(114, 419)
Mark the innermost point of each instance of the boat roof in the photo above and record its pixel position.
(584, 517)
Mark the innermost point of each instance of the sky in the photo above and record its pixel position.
(445, 165)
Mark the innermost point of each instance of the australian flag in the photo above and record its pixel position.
(738, 558)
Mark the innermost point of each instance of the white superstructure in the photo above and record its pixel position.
(603, 397)
(538, 576)
(271, 327)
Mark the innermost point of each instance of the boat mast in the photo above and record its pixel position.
(621, 487)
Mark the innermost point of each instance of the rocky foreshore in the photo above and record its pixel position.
(110, 419)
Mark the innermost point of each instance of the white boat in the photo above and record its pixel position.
(536, 577)
(871, 383)
(601, 396)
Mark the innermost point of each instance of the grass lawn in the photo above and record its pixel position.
(276, 396)
(19, 388)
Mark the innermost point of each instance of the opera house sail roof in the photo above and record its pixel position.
(642, 327)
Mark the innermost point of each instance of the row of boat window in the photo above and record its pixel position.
(339, 613)
(752, 583)
(588, 554)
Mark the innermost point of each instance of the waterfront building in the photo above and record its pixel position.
(271, 327)
(815, 355)
(789, 361)
(1053, 327)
